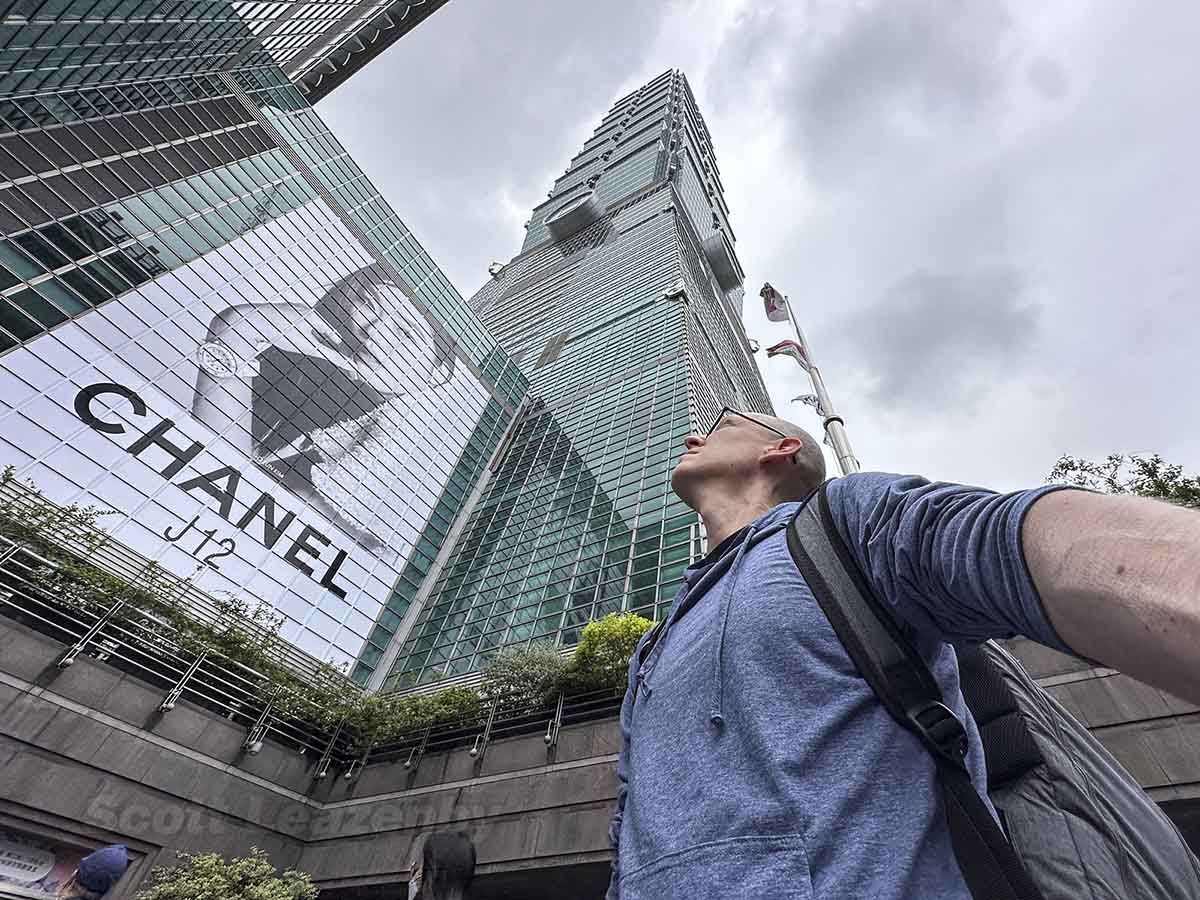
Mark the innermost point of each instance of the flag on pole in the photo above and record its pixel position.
(774, 302)
(811, 400)
(792, 349)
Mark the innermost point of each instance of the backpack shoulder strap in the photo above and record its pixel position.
(907, 689)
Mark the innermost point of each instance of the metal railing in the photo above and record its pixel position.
(498, 722)
(150, 648)
(37, 591)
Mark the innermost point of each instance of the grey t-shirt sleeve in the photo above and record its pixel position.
(946, 557)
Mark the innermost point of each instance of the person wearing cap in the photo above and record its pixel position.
(96, 873)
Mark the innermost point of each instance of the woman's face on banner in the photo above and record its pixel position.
(365, 313)
(397, 335)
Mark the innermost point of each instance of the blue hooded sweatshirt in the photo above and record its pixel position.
(756, 761)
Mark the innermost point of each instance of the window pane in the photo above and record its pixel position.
(37, 307)
(15, 322)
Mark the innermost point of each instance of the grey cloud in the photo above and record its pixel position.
(1088, 202)
(485, 104)
(939, 342)
(1026, 168)
(858, 83)
(1048, 77)
(747, 53)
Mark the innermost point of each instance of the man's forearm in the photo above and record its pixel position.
(1120, 580)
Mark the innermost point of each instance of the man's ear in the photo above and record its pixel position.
(787, 448)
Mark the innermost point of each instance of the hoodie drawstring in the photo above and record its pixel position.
(715, 715)
(692, 595)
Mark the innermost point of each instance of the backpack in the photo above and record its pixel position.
(1078, 825)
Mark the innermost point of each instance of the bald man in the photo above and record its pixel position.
(757, 762)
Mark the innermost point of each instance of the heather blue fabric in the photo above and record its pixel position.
(101, 869)
(756, 761)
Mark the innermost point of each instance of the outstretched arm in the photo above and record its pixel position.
(1120, 580)
(1115, 579)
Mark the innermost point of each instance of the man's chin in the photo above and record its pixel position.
(683, 481)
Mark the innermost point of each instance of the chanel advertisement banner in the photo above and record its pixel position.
(275, 420)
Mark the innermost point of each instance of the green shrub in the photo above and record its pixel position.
(326, 699)
(375, 719)
(209, 876)
(601, 661)
(527, 676)
(381, 719)
(456, 704)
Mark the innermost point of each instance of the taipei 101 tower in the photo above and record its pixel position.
(623, 308)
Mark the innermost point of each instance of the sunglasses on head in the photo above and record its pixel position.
(730, 411)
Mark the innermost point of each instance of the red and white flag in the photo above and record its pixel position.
(792, 349)
(775, 303)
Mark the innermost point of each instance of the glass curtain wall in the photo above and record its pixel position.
(214, 326)
(630, 339)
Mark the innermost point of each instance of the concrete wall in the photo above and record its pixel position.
(84, 750)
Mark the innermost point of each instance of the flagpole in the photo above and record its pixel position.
(835, 428)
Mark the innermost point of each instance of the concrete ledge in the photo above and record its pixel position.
(88, 745)
(503, 842)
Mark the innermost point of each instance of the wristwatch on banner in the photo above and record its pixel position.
(220, 362)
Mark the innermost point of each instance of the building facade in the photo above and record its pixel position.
(214, 329)
(624, 310)
(317, 44)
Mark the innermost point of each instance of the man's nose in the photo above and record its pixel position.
(693, 442)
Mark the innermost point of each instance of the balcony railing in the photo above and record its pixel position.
(39, 590)
(150, 648)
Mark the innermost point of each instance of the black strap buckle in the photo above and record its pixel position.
(940, 730)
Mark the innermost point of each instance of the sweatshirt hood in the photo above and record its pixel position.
(721, 567)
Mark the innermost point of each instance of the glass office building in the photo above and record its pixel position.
(624, 308)
(316, 44)
(214, 328)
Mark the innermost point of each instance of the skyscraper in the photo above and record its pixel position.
(317, 44)
(624, 308)
(349, 35)
(213, 326)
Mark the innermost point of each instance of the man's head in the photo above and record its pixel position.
(747, 454)
(96, 874)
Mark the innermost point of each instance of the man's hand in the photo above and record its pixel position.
(1120, 580)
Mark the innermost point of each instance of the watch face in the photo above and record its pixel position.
(216, 360)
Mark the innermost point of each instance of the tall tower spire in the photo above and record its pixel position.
(623, 309)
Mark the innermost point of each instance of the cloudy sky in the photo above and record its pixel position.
(986, 214)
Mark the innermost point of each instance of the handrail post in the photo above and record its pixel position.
(357, 765)
(88, 636)
(415, 754)
(323, 765)
(258, 731)
(481, 740)
(551, 737)
(176, 692)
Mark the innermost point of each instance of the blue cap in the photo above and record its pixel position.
(101, 869)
